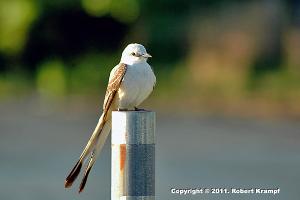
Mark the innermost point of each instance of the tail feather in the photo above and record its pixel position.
(93, 139)
(101, 140)
(73, 174)
(84, 179)
(87, 150)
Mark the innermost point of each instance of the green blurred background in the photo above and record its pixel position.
(231, 57)
(227, 94)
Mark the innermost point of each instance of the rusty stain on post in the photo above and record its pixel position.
(122, 156)
(133, 155)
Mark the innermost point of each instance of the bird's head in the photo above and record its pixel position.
(134, 53)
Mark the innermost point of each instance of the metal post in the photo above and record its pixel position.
(133, 155)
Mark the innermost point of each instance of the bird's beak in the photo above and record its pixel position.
(147, 55)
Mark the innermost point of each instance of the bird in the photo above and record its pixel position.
(130, 83)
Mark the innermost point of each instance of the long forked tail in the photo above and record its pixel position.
(87, 150)
(100, 143)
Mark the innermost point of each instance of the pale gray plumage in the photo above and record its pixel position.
(130, 83)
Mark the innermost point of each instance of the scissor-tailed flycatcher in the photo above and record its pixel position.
(130, 83)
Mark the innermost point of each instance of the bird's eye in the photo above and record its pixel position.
(133, 54)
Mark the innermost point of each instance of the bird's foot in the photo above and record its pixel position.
(139, 109)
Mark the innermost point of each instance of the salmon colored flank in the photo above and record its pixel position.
(122, 156)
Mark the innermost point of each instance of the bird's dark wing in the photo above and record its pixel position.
(113, 86)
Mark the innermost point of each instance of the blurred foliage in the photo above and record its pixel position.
(91, 72)
(14, 84)
(113, 7)
(16, 16)
(218, 55)
(51, 81)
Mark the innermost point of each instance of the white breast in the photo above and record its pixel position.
(138, 83)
